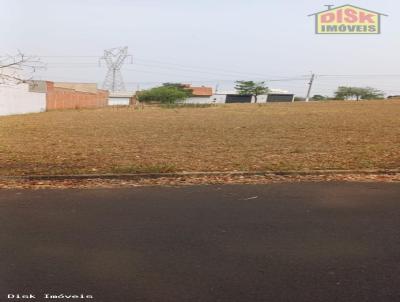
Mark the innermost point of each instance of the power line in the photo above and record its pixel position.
(169, 65)
(201, 68)
(163, 73)
(358, 75)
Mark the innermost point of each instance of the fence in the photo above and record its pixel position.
(17, 99)
(67, 98)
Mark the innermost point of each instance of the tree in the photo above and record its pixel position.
(180, 86)
(251, 88)
(373, 94)
(163, 94)
(18, 68)
(358, 93)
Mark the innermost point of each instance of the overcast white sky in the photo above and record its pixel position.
(203, 42)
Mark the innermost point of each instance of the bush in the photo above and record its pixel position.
(163, 95)
(319, 97)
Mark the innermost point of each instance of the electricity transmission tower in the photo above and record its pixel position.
(115, 59)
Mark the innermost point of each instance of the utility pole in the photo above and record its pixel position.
(310, 87)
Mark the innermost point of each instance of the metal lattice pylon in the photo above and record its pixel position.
(115, 59)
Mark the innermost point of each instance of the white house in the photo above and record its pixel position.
(231, 96)
(120, 98)
(200, 95)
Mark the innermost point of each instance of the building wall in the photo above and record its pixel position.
(260, 99)
(264, 98)
(214, 99)
(38, 86)
(119, 101)
(64, 98)
(279, 98)
(17, 99)
(83, 87)
(221, 99)
(198, 100)
(239, 99)
(218, 98)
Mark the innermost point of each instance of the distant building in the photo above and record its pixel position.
(280, 97)
(63, 95)
(200, 95)
(121, 98)
(264, 98)
(205, 95)
(231, 96)
(38, 96)
(238, 98)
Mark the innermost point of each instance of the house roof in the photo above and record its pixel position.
(200, 91)
(334, 8)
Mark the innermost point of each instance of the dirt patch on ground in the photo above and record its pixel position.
(272, 137)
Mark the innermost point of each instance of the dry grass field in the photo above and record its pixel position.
(331, 135)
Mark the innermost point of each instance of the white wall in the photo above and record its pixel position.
(218, 99)
(118, 101)
(198, 100)
(17, 99)
(260, 99)
(215, 99)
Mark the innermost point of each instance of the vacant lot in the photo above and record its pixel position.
(336, 135)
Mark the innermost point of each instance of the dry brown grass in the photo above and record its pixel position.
(332, 135)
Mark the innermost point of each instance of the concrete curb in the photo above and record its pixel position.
(197, 174)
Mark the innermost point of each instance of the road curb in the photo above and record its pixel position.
(198, 174)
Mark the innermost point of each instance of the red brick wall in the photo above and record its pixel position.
(63, 98)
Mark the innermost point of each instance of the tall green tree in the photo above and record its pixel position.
(251, 88)
(373, 94)
(358, 93)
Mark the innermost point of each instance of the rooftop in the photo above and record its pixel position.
(200, 91)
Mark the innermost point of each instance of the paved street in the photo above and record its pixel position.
(280, 242)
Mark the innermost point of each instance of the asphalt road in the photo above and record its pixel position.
(281, 242)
